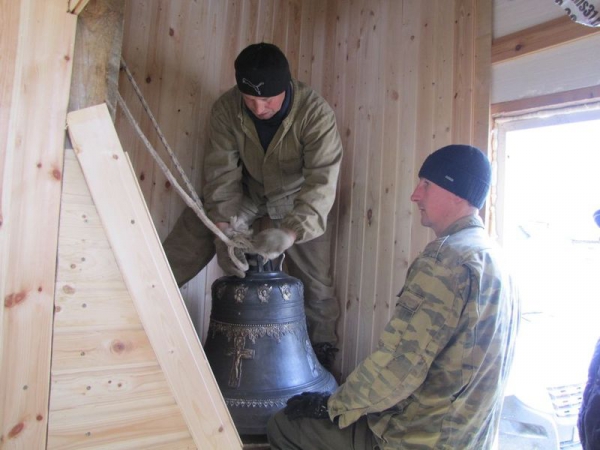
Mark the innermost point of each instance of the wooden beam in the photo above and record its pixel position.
(97, 58)
(34, 87)
(77, 6)
(559, 99)
(143, 264)
(540, 37)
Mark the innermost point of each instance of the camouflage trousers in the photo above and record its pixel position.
(318, 434)
(190, 247)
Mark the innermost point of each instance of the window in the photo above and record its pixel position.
(548, 188)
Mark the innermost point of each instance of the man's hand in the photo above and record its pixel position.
(225, 261)
(272, 242)
(312, 405)
(236, 226)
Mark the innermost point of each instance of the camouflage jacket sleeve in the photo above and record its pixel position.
(426, 315)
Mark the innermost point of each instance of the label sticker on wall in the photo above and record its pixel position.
(585, 12)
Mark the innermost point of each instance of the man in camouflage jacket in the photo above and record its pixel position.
(437, 377)
(275, 151)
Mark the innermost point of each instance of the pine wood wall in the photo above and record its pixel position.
(404, 77)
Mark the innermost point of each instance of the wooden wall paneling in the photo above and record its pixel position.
(164, 83)
(246, 12)
(148, 278)
(104, 370)
(408, 134)
(178, 97)
(230, 40)
(481, 111)
(345, 116)
(330, 52)
(306, 44)
(140, 19)
(264, 22)
(425, 143)
(373, 90)
(359, 37)
(445, 35)
(294, 29)
(320, 65)
(464, 57)
(392, 25)
(337, 100)
(34, 84)
(279, 24)
(210, 85)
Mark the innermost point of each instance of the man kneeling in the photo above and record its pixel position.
(437, 377)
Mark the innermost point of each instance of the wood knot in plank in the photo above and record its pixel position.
(118, 346)
(14, 299)
(14, 432)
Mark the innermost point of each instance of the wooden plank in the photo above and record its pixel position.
(109, 386)
(86, 348)
(559, 99)
(540, 37)
(337, 98)
(138, 426)
(464, 57)
(373, 214)
(77, 6)
(351, 200)
(482, 81)
(424, 144)
(399, 25)
(101, 354)
(150, 282)
(39, 36)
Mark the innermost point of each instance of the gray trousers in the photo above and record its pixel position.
(318, 434)
(190, 247)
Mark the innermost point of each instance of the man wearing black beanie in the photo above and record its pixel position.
(437, 378)
(274, 151)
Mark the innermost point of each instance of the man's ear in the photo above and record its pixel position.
(456, 200)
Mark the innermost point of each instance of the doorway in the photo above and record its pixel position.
(548, 188)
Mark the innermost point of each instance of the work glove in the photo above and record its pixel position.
(237, 226)
(272, 242)
(312, 405)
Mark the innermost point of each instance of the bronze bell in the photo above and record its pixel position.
(258, 345)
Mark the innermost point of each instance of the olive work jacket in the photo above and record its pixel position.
(437, 378)
(294, 180)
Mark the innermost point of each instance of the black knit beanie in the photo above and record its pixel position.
(262, 70)
(460, 169)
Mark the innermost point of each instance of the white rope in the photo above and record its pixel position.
(192, 200)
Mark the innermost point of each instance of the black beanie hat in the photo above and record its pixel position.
(262, 70)
(460, 169)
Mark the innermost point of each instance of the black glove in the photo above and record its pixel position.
(312, 405)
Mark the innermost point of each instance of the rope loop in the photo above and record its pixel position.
(191, 198)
